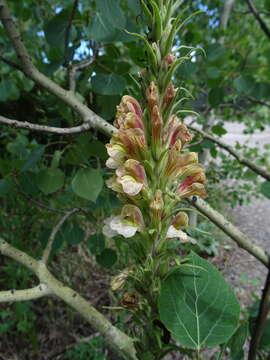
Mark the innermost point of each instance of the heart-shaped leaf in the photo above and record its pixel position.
(198, 306)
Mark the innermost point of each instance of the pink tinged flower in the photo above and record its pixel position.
(114, 185)
(117, 155)
(107, 230)
(176, 130)
(128, 105)
(195, 189)
(177, 162)
(122, 227)
(132, 177)
(179, 222)
(174, 233)
(126, 224)
(133, 214)
(133, 141)
(133, 121)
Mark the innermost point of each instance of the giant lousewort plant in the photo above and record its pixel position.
(153, 173)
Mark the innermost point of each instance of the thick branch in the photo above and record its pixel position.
(261, 319)
(31, 71)
(232, 231)
(55, 230)
(258, 18)
(43, 128)
(259, 170)
(25, 295)
(119, 340)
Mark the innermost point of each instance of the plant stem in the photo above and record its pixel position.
(260, 321)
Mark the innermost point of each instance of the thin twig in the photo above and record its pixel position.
(257, 169)
(55, 230)
(11, 63)
(86, 126)
(261, 319)
(41, 205)
(258, 18)
(68, 29)
(79, 66)
(259, 102)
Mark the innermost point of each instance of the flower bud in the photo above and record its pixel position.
(169, 60)
(118, 281)
(157, 205)
(152, 95)
(169, 95)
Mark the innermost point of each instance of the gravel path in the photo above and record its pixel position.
(245, 273)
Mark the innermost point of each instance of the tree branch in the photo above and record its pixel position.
(44, 128)
(258, 18)
(79, 66)
(119, 340)
(257, 169)
(32, 72)
(25, 295)
(261, 319)
(11, 63)
(254, 101)
(232, 231)
(55, 230)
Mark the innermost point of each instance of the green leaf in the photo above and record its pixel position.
(215, 52)
(112, 12)
(265, 340)
(109, 18)
(33, 158)
(55, 29)
(213, 72)
(198, 306)
(5, 186)
(8, 90)
(28, 184)
(50, 180)
(219, 130)
(73, 234)
(97, 148)
(244, 84)
(237, 341)
(108, 84)
(96, 243)
(107, 258)
(265, 189)
(216, 96)
(87, 184)
(101, 30)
